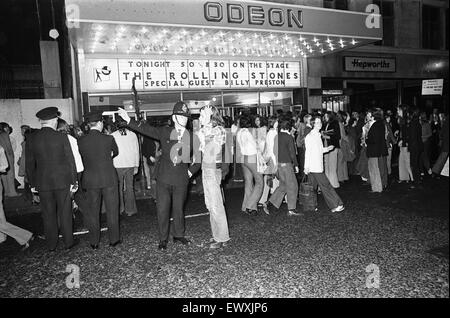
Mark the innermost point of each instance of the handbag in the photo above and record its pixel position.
(347, 151)
(261, 163)
(271, 167)
(307, 196)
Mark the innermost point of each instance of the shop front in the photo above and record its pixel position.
(231, 54)
(363, 78)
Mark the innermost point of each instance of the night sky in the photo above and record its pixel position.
(19, 29)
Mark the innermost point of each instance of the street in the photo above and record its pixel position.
(377, 247)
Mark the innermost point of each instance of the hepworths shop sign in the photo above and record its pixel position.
(369, 64)
(164, 74)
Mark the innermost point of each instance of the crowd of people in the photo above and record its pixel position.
(92, 167)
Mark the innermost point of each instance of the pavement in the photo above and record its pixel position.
(393, 244)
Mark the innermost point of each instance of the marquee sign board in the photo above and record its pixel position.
(229, 14)
(163, 74)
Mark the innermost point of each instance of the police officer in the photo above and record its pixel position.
(50, 167)
(99, 179)
(175, 169)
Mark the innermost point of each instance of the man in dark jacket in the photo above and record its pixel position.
(175, 169)
(100, 179)
(377, 150)
(415, 144)
(50, 167)
(443, 156)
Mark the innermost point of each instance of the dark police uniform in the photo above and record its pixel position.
(50, 167)
(99, 180)
(172, 176)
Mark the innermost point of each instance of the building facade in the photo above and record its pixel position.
(414, 48)
(231, 54)
(386, 72)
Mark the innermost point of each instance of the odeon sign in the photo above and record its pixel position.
(253, 15)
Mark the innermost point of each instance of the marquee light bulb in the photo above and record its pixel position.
(354, 42)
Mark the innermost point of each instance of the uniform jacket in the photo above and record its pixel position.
(49, 160)
(415, 135)
(176, 156)
(97, 151)
(376, 141)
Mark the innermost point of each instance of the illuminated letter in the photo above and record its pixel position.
(255, 15)
(273, 19)
(298, 19)
(213, 11)
(235, 13)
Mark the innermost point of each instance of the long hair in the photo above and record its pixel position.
(272, 120)
(216, 117)
(245, 121)
(63, 126)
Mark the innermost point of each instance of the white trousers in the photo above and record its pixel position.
(331, 159)
(7, 229)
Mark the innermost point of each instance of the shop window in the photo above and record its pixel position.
(387, 12)
(431, 27)
(336, 4)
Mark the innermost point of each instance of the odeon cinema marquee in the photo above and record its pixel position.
(204, 45)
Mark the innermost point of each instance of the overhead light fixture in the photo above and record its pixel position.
(54, 34)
